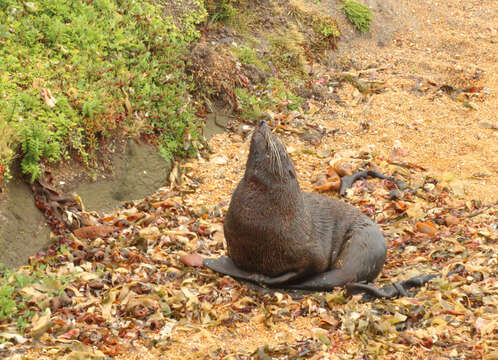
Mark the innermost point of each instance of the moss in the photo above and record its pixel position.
(360, 15)
(325, 29)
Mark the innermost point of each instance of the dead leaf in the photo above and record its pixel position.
(47, 97)
(219, 160)
(427, 228)
(71, 334)
(343, 168)
(416, 211)
(165, 204)
(93, 232)
(486, 125)
(16, 338)
(40, 324)
(331, 185)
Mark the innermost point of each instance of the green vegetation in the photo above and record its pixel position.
(248, 55)
(286, 49)
(274, 94)
(360, 15)
(220, 10)
(280, 93)
(74, 74)
(252, 106)
(8, 138)
(17, 289)
(14, 290)
(326, 27)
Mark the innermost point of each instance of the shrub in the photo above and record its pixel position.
(360, 15)
(75, 73)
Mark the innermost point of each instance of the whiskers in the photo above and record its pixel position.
(275, 156)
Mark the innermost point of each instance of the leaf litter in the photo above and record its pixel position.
(134, 286)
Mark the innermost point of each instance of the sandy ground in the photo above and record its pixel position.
(451, 43)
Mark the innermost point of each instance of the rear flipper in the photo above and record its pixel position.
(226, 266)
(321, 282)
(325, 281)
(361, 259)
(396, 289)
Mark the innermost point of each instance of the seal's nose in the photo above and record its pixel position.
(261, 123)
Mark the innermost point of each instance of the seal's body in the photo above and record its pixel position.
(283, 237)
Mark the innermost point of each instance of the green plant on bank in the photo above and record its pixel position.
(326, 28)
(287, 50)
(73, 74)
(252, 106)
(12, 303)
(275, 93)
(278, 92)
(360, 15)
(8, 137)
(247, 55)
(220, 10)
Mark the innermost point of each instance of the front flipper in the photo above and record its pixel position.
(226, 266)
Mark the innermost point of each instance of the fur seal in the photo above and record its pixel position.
(279, 236)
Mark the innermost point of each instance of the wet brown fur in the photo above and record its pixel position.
(287, 236)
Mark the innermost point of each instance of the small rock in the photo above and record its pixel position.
(367, 150)
(291, 149)
(312, 136)
(395, 194)
(60, 302)
(429, 187)
(343, 168)
(451, 220)
(323, 153)
(192, 260)
(219, 160)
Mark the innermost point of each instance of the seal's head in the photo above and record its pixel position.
(268, 161)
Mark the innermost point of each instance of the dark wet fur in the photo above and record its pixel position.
(280, 236)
